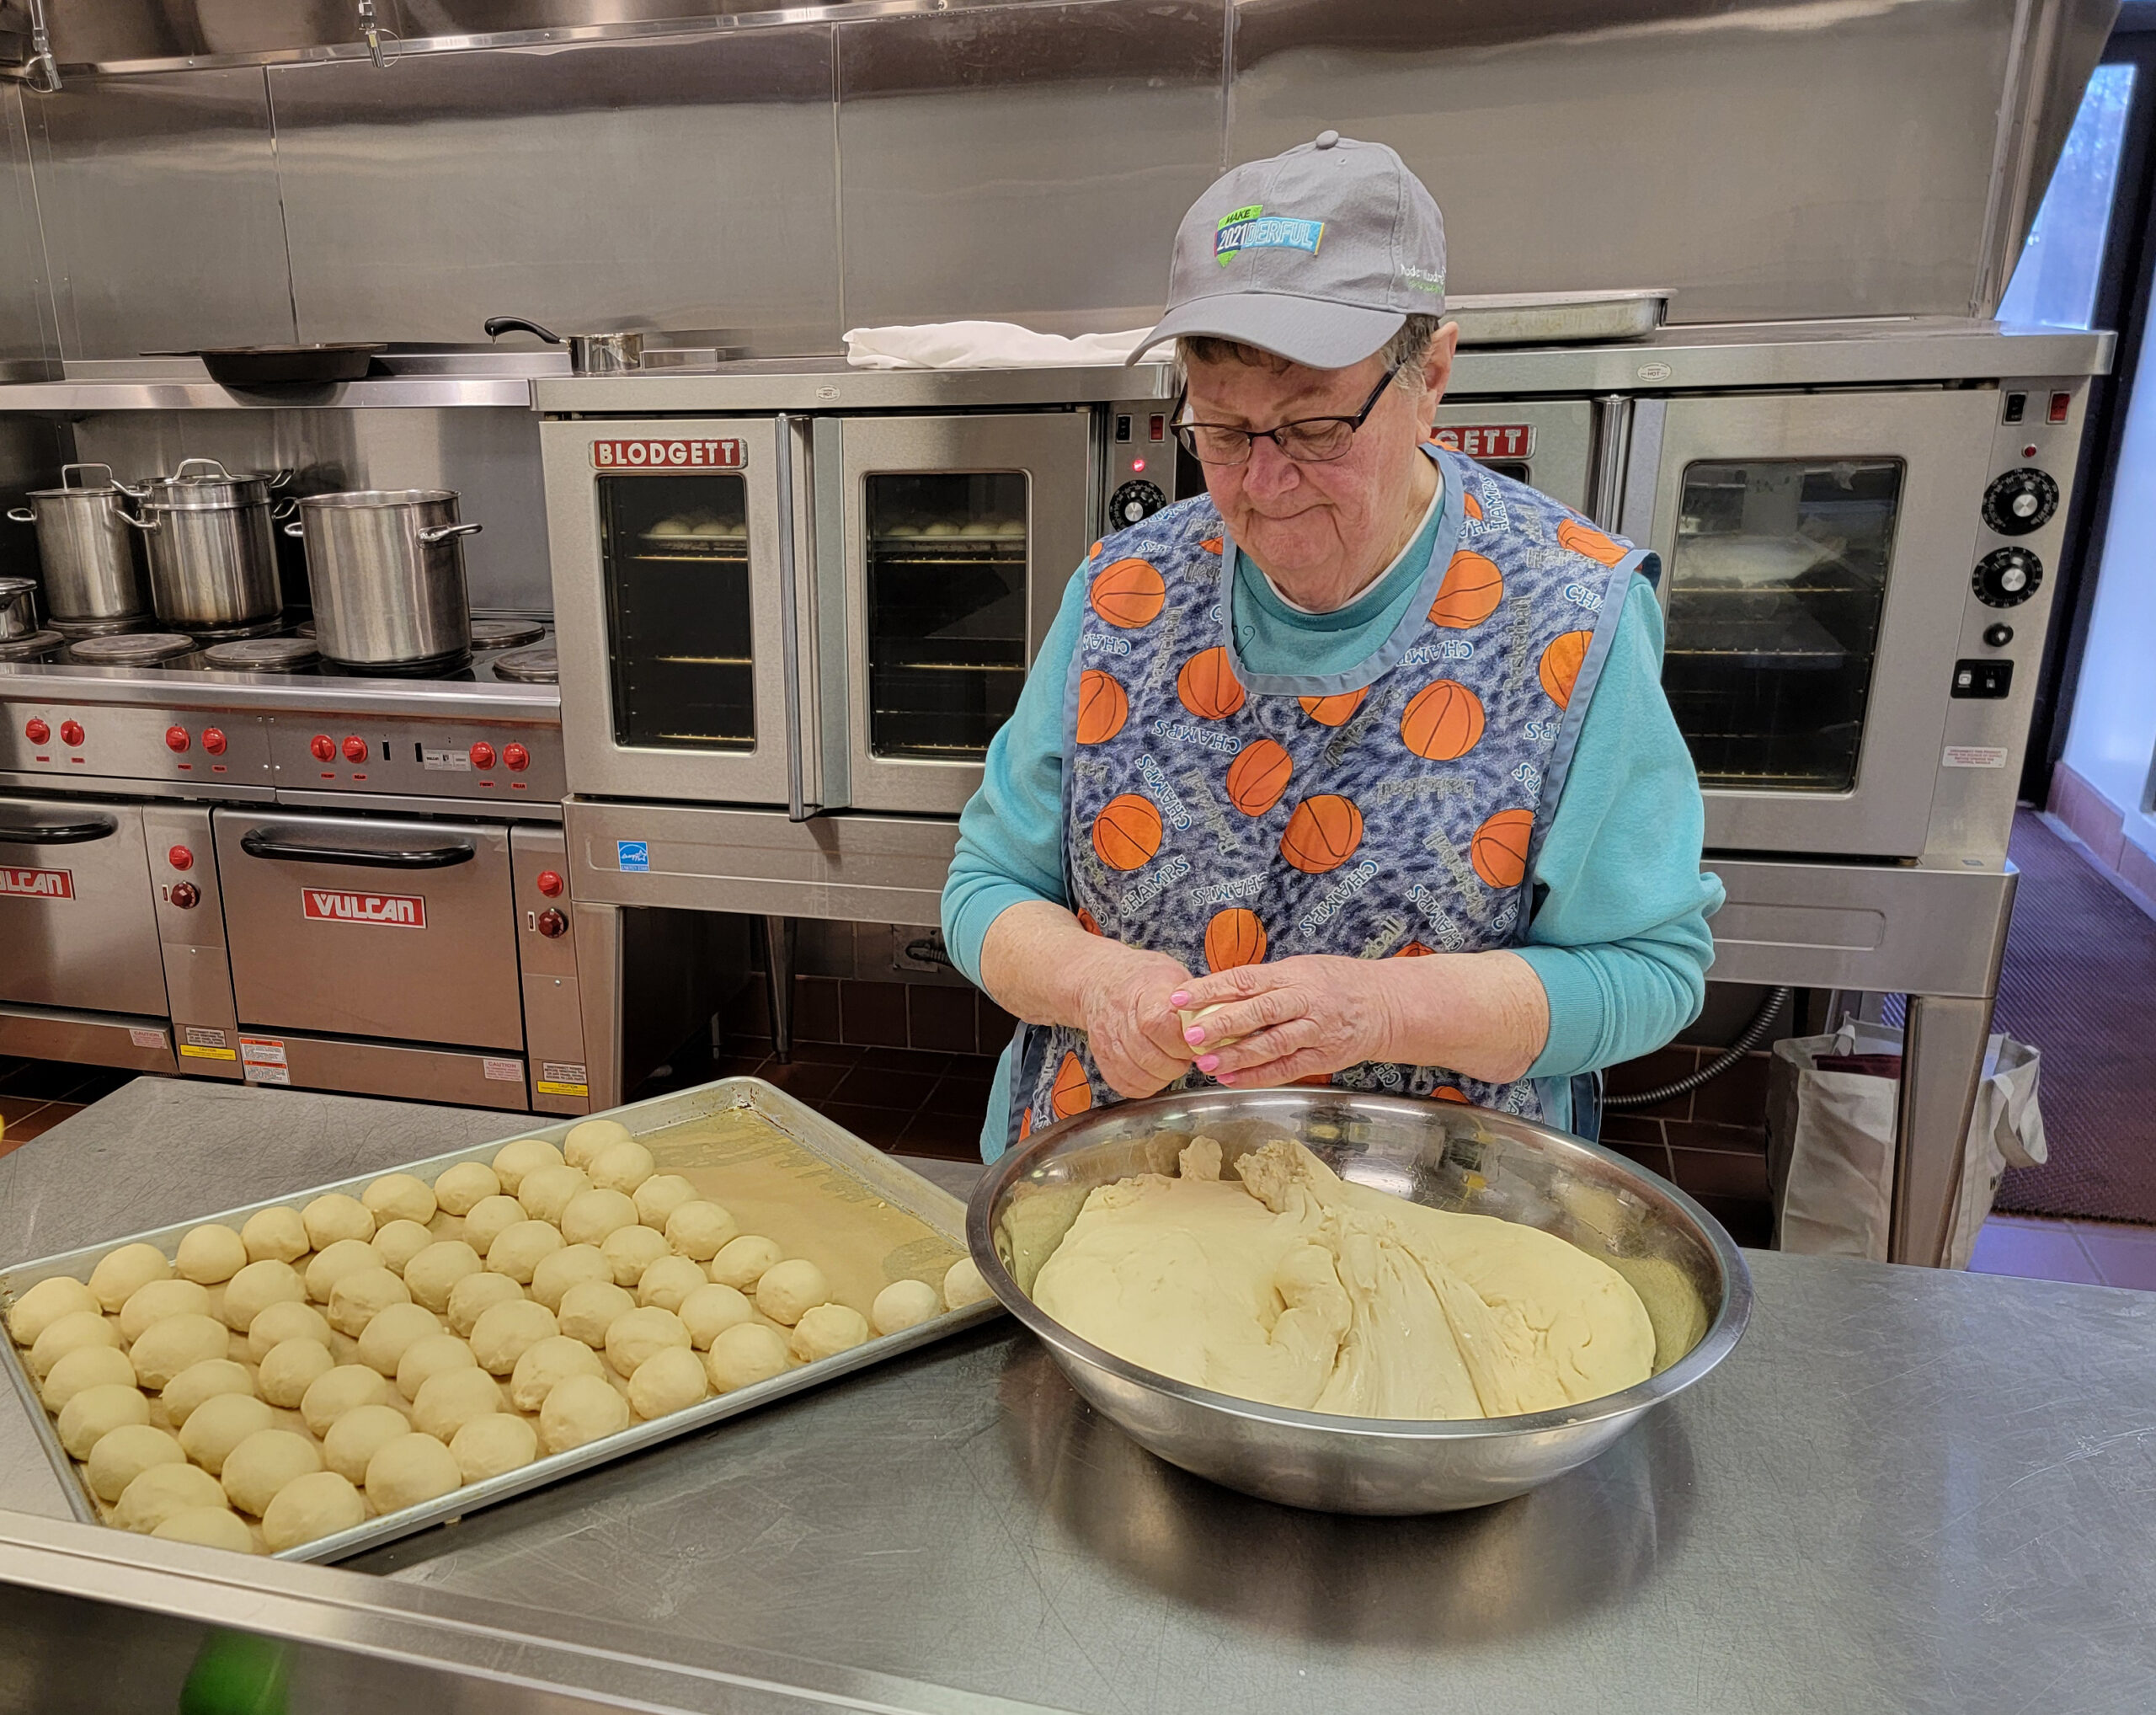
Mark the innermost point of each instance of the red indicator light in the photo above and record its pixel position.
(2061, 404)
(550, 884)
(180, 857)
(1137, 465)
(1156, 429)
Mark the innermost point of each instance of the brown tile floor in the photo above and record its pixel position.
(35, 1095)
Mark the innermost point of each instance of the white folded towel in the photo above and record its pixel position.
(982, 346)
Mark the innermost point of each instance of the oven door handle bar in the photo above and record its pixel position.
(259, 842)
(58, 833)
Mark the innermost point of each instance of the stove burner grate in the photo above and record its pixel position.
(30, 646)
(263, 654)
(147, 648)
(505, 634)
(75, 630)
(528, 666)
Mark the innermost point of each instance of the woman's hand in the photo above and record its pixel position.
(1136, 1035)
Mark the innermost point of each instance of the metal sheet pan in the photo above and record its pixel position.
(898, 1185)
(1556, 317)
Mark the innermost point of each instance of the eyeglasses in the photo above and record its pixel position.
(1306, 440)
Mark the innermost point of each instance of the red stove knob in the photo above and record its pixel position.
(176, 738)
(515, 758)
(552, 923)
(70, 732)
(355, 750)
(36, 731)
(213, 741)
(180, 857)
(482, 754)
(324, 746)
(185, 894)
(550, 884)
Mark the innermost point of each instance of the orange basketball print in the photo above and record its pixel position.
(1212, 544)
(1584, 538)
(1322, 834)
(1127, 833)
(1560, 666)
(1207, 687)
(1258, 776)
(1470, 505)
(1445, 1092)
(1314, 1079)
(1103, 706)
(1498, 850)
(1469, 594)
(1413, 949)
(1094, 552)
(1128, 594)
(1334, 711)
(1234, 936)
(1074, 1092)
(1025, 1125)
(1442, 721)
(1088, 923)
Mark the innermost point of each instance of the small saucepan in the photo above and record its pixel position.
(589, 353)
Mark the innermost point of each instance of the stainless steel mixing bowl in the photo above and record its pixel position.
(1685, 1268)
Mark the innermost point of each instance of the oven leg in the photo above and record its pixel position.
(1942, 1061)
(599, 992)
(780, 936)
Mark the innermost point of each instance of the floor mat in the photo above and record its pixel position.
(2080, 983)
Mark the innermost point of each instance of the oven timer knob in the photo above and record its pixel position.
(213, 741)
(515, 758)
(324, 746)
(70, 732)
(552, 924)
(550, 884)
(37, 732)
(176, 739)
(1134, 502)
(185, 894)
(355, 750)
(2020, 501)
(2006, 577)
(482, 754)
(180, 857)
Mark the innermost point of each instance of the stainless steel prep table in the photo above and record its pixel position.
(1907, 1491)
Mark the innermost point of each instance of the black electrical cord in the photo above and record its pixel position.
(930, 950)
(1754, 1034)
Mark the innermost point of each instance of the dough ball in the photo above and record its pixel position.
(546, 1195)
(475, 1295)
(452, 1399)
(545, 1364)
(398, 1197)
(744, 1355)
(157, 1300)
(660, 1195)
(468, 1183)
(347, 1256)
(385, 1340)
(582, 1146)
(208, 1527)
(425, 1359)
(670, 1381)
(631, 1250)
(170, 1346)
(621, 1167)
(904, 1304)
(319, 1504)
(522, 1248)
(71, 1333)
(363, 1294)
(120, 1457)
(641, 1335)
(346, 1388)
(450, 1226)
(399, 1241)
(85, 1366)
(120, 1274)
(97, 1412)
(163, 1490)
(288, 1319)
(711, 1309)
(358, 1435)
(590, 1308)
(788, 1290)
(501, 1335)
(411, 1469)
(217, 1425)
(488, 1446)
(582, 1409)
(489, 1220)
(431, 1275)
(258, 1287)
(527, 1155)
(275, 1235)
(291, 1368)
(198, 1384)
(668, 1282)
(592, 1214)
(743, 1263)
(570, 1267)
(44, 1304)
(210, 1253)
(826, 1330)
(333, 1216)
(700, 1230)
(962, 1286)
(264, 1463)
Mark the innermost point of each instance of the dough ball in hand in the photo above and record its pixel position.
(275, 1235)
(474, 1296)
(580, 1409)
(208, 1527)
(120, 1274)
(592, 1214)
(333, 1216)
(308, 1507)
(711, 1309)
(621, 1167)
(264, 1463)
(170, 1346)
(358, 1435)
(120, 1457)
(287, 1319)
(71, 1333)
(548, 1193)
(291, 1368)
(790, 1289)
(157, 1300)
(962, 1284)
(431, 1275)
(399, 1241)
(210, 1253)
(411, 1469)
(198, 1384)
(489, 1220)
(161, 1492)
(826, 1330)
(362, 1296)
(346, 1388)
(87, 1367)
(526, 1154)
(590, 1308)
(700, 1230)
(44, 1304)
(545, 1367)
(659, 1196)
(744, 1355)
(346, 1256)
(570, 1266)
(385, 1340)
(667, 1382)
(519, 1250)
(745, 1261)
(631, 1250)
(452, 1399)
(904, 1304)
(503, 1334)
(400, 1197)
(490, 1445)
(668, 1282)
(96, 1413)
(584, 1143)
(427, 1358)
(467, 1183)
(218, 1425)
(258, 1287)
(634, 1340)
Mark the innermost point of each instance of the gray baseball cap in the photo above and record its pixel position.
(1319, 254)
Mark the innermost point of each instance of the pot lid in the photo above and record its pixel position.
(528, 666)
(203, 484)
(143, 650)
(11, 588)
(505, 634)
(22, 648)
(263, 654)
(75, 630)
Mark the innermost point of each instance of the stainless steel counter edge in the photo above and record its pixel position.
(411, 392)
(273, 693)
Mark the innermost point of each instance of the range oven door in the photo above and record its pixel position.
(78, 925)
(1816, 551)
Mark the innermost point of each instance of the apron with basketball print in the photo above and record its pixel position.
(1222, 816)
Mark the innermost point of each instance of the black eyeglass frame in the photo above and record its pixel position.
(1185, 433)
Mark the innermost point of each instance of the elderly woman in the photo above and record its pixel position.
(1362, 701)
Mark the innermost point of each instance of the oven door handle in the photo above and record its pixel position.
(59, 833)
(797, 807)
(259, 842)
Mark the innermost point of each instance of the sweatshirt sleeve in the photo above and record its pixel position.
(1620, 939)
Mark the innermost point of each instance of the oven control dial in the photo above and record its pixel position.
(550, 884)
(482, 754)
(355, 750)
(2020, 501)
(70, 732)
(324, 747)
(2006, 577)
(213, 741)
(1134, 502)
(180, 857)
(186, 895)
(176, 739)
(37, 732)
(552, 924)
(515, 758)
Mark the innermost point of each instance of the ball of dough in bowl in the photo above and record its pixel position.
(425, 1359)
(288, 1319)
(319, 1504)
(744, 1355)
(546, 1364)
(500, 1337)
(275, 1235)
(660, 1195)
(581, 1147)
(904, 1304)
(467, 1183)
(333, 1216)
(97, 1412)
(743, 1263)
(452, 1399)
(962, 1284)
(291, 1368)
(157, 1300)
(163, 1490)
(431, 1275)
(358, 1435)
(571, 1266)
(519, 1250)
(400, 1197)
(490, 1445)
(790, 1288)
(363, 1294)
(411, 1469)
(489, 1220)
(634, 1340)
(44, 1304)
(258, 1287)
(210, 1253)
(633, 1249)
(347, 1256)
(589, 1308)
(668, 1281)
(621, 1167)
(120, 1274)
(399, 1241)
(701, 1229)
(71, 1333)
(582, 1409)
(668, 1382)
(384, 1341)
(198, 1384)
(168, 1347)
(346, 1388)
(218, 1425)
(826, 1330)
(264, 1463)
(87, 1367)
(711, 1309)
(594, 1213)
(208, 1527)
(527, 1155)
(546, 1194)
(120, 1457)
(475, 1295)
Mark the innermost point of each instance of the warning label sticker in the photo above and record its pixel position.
(202, 1038)
(262, 1060)
(1975, 756)
(504, 1071)
(558, 1078)
(146, 1039)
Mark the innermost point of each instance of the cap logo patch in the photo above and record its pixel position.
(1422, 279)
(1253, 229)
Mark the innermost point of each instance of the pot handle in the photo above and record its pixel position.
(216, 465)
(110, 481)
(22, 514)
(297, 530)
(145, 525)
(448, 532)
(285, 508)
(496, 326)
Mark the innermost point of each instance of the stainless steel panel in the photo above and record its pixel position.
(191, 938)
(1558, 450)
(557, 1075)
(1942, 1063)
(407, 1072)
(1024, 163)
(76, 916)
(158, 29)
(29, 337)
(127, 744)
(830, 384)
(1555, 317)
(138, 1042)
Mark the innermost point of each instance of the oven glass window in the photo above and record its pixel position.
(1775, 590)
(946, 611)
(676, 555)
